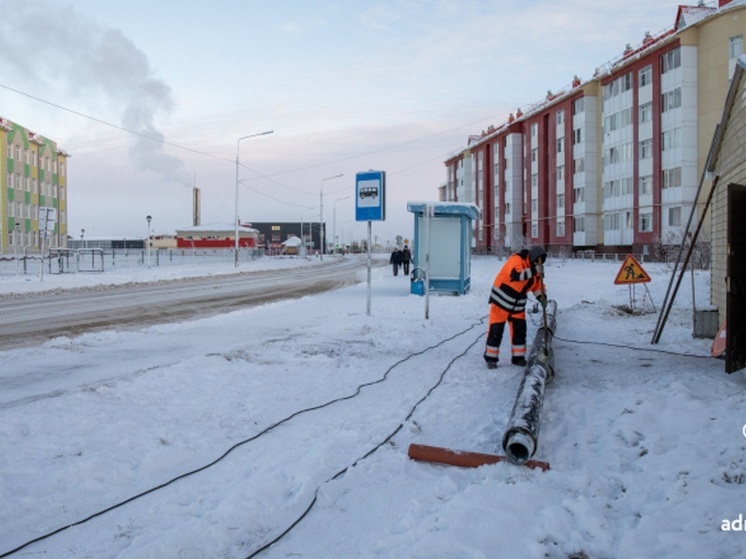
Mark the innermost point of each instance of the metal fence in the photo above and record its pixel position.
(96, 260)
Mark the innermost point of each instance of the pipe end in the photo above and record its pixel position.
(519, 447)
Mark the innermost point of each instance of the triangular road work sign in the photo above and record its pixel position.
(631, 272)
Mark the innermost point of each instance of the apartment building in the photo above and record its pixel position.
(611, 164)
(33, 182)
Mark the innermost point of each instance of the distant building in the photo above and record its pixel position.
(33, 183)
(273, 233)
(217, 236)
(611, 164)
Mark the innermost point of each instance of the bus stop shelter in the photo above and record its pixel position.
(441, 254)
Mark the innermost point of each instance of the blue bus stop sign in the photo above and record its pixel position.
(370, 196)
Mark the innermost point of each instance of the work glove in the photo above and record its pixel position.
(542, 298)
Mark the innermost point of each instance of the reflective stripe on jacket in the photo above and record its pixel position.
(513, 282)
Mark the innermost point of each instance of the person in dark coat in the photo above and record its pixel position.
(395, 260)
(406, 258)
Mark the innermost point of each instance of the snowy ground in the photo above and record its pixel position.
(211, 438)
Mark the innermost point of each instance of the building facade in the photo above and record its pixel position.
(33, 181)
(612, 164)
(727, 171)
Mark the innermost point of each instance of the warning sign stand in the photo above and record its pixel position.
(632, 273)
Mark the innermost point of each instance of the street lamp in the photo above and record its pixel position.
(334, 224)
(321, 211)
(238, 144)
(148, 219)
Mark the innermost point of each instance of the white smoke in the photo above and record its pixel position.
(67, 56)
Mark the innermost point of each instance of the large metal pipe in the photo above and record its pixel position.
(522, 435)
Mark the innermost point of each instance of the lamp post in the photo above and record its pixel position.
(82, 238)
(334, 224)
(17, 243)
(238, 145)
(148, 219)
(321, 211)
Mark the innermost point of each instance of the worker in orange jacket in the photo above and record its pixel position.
(522, 273)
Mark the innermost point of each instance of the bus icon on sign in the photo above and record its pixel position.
(369, 192)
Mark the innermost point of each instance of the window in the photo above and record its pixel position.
(646, 149)
(560, 145)
(674, 216)
(626, 151)
(578, 106)
(670, 139)
(535, 180)
(646, 75)
(534, 154)
(625, 185)
(625, 117)
(735, 46)
(671, 178)
(646, 112)
(560, 172)
(534, 206)
(646, 222)
(612, 155)
(578, 165)
(611, 122)
(560, 227)
(560, 200)
(560, 117)
(507, 207)
(534, 129)
(625, 82)
(611, 222)
(671, 100)
(646, 185)
(671, 60)
(578, 224)
(578, 194)
(577, 135)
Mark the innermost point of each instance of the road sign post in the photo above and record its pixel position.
(370, 205)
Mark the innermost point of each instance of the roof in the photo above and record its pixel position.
(688, 15)
(217, 227)
(445, 208)
(292, 242)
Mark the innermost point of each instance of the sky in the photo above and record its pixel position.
(150, 100)
(211, 437)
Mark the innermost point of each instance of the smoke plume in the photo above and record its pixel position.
(66, 56)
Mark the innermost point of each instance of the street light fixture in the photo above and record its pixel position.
(321, 211)
(238, 144)
(148, 219)
(334, 224)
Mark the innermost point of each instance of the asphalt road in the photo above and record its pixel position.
(35, 318)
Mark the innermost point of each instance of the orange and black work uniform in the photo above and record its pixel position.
(508, 304)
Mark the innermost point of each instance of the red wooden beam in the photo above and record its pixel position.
(463, 458)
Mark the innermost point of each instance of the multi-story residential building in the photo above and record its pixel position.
(33, 181)
(613, 163)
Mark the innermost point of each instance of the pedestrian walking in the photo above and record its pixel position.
(406, 258)
(395, 260)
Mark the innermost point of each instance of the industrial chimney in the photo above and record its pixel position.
(196, 205)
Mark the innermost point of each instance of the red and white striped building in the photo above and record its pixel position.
(611, 164)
